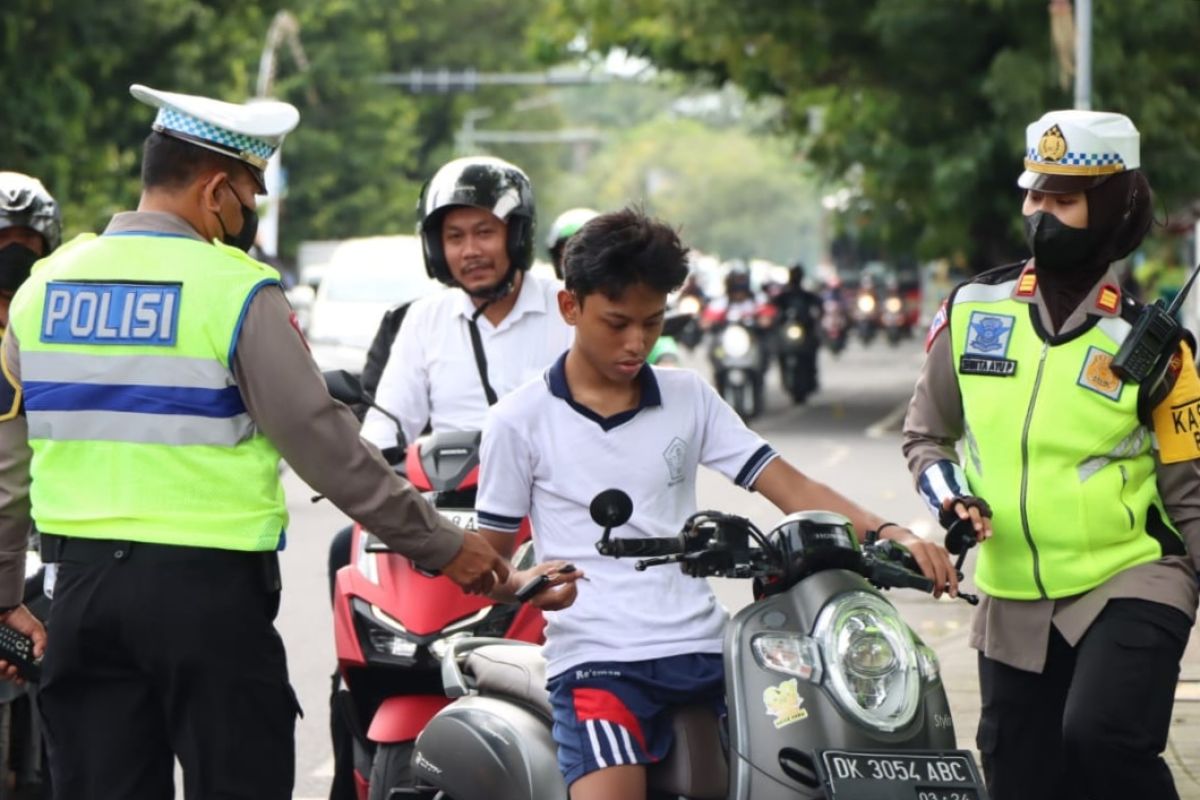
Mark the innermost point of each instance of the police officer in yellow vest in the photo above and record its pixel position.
(162, 377)
(1085, 486)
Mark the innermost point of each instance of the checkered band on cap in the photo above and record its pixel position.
(248, 148)
(1078, 159)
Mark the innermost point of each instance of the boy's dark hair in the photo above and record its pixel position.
(170, 163)
(616, 250)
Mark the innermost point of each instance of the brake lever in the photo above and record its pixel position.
(643, 564)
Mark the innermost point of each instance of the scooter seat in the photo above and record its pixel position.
(696, 767)
(513, 670)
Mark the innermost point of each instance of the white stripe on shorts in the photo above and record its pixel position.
(591, 729)
(612, 742)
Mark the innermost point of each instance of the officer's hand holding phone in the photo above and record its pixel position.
(21, 620)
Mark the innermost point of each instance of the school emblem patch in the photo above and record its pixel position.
(1098, 376)
(675, 455)
(989, 334)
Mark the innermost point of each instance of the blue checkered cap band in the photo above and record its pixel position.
(1079, 159)
(248, 148)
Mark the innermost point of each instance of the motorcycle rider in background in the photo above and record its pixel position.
(797, 305)
(564, 227)
(477, 222)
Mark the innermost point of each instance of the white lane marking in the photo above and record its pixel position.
(837, 454)
(323, 771)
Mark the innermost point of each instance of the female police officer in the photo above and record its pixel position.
(1084, 486)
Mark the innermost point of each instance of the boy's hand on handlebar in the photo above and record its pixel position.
(975, 509)
(933, 559)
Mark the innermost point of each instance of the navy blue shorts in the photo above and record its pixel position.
(611, 713)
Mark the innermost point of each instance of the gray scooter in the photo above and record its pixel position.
(830, 694)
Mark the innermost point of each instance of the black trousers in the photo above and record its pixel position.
(1093, 725)
(160, 652)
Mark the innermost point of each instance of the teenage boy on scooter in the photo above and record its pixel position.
(626, 646)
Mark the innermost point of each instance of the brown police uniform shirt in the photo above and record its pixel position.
(286, 397)
(1016, 632)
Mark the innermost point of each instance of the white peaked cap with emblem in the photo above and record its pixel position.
(250, 132)
(1072, 151)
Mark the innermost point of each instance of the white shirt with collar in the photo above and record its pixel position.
(545, 456)
(431, 375)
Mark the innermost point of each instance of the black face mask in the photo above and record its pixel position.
(15, 262)
(1057, 247)
(244, 239)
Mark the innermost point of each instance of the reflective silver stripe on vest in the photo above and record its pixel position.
(123, 426)
(984, 292)
(188, 373)
(1131, 446)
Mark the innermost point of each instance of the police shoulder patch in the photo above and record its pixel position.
(1177, 418)
(940, 320)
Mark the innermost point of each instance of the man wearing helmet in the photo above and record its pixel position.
(30, 228)
(498, 327)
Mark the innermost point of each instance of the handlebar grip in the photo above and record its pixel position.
(645, 548)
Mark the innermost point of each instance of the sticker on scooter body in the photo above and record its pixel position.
(914, 775)
(784, 703)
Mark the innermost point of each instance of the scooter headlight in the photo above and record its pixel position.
(689, 305)
(736, 341)
(795, 333)
(871, 662)
(866, 303)
(893, 305)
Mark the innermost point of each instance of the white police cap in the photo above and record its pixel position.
(1072, 151)
(249, 132)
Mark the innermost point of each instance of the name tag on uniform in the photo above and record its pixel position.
(978, 365)
(111, 313)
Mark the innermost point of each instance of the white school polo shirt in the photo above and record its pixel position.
(431, 375)
(546, 457)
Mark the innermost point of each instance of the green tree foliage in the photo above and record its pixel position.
(356, 164)
(731, 194)
(66, 115)
(928, 98)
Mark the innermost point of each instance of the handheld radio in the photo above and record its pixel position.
(1153, 337)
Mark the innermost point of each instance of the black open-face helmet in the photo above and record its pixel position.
(479, 182)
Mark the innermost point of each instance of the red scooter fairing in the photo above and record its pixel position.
(393, 620)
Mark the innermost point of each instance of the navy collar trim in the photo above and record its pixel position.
(651, 397)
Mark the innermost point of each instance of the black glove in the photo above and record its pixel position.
(948, 516)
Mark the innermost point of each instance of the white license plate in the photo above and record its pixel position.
(858, 775)
(466, 519)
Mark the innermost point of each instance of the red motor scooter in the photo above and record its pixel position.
(393, 622)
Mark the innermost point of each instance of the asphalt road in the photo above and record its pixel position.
(846, 436)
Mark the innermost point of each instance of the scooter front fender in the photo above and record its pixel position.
(402, 718)
(485, 748)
